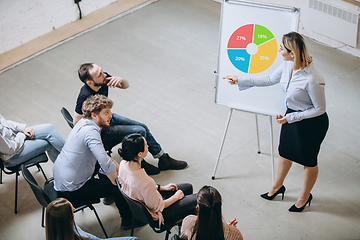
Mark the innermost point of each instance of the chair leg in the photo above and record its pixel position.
(132, 227)
(167, 234)
(43, 217)
(0, 176)
(109, 152)
(16, 189)
(97, 216)
(179, 227)
(40, 169)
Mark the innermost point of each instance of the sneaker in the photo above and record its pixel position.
(126, 224)
(108, 200)
(149, 169)
(166, 162)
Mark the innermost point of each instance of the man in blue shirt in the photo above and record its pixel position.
(98, 82)
(75, 167)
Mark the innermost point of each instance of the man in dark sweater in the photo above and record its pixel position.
(98, 82)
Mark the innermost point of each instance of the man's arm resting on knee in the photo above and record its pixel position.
(76, 118)
(116, 164)
(112, 176)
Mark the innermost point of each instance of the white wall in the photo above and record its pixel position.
(24, 20)
(304, 24)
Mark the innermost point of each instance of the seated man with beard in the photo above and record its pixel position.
(98, 82)
(75, 167)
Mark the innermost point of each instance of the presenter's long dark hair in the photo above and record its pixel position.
(60, 223)
(209, 223)
(131, 145)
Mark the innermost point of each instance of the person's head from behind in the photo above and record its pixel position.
(133, 147)
(92, 75)
(98, 108)
(294, 46)
(209, 223)
(59, 223)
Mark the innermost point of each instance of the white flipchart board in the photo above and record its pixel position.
(268, 23)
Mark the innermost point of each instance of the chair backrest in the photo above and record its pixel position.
(138, 210)
(67, 116)
(40, 194)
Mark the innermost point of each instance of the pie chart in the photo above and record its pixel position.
(252, 48)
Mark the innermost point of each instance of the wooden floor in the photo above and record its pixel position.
(41, 43)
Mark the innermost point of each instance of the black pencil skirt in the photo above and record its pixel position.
(300, 141)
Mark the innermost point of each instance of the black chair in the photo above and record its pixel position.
(69, 119)
(67, 116)
(35, 161)
(48, 194)
(141, 213)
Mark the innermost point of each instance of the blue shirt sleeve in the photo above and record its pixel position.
(94, 143)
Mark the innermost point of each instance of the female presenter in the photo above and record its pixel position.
(305, 123)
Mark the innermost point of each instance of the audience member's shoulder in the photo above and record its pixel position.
(187, 226)
(190, 219)
(84, 87)
(87, 125)
(232, 233)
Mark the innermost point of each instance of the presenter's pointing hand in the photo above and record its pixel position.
(232, 79)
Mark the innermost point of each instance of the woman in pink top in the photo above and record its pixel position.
(208, 224)
(167, 202)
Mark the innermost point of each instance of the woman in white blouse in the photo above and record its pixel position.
(305, 123)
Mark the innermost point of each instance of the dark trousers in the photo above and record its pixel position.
(181, 208)
(95, 189)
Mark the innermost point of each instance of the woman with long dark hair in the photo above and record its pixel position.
(60, 224)
(172, 201)
(305, 123)
(208, 224)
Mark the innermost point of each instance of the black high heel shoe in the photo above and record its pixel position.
(281, 190)
(295, 209)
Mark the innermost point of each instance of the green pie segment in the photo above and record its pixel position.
(262, 34)
(252, 48)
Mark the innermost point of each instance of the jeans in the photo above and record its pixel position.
(121, 126)
(181, 208)
(92, 237)
(46, 138)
